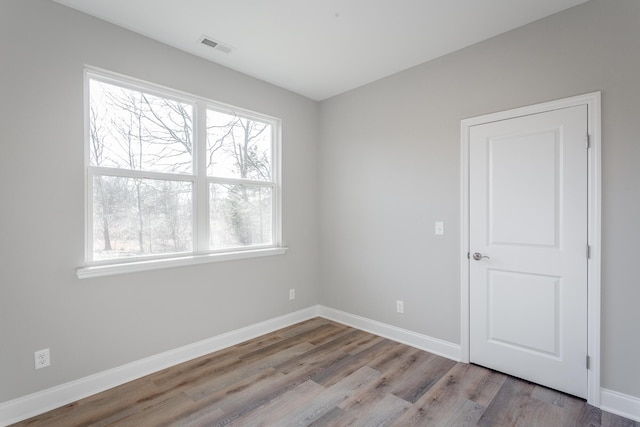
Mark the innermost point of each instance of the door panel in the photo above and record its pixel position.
(524, 189)
(523, 311)
(528, 218)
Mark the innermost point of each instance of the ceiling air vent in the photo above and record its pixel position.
(208, 41)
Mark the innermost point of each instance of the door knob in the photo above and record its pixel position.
(478, 256)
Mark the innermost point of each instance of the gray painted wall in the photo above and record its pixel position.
(390, 162)
(95, 324)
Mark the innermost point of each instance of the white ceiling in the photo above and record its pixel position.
(320, 48)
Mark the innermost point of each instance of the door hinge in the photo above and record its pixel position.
(588, 252)
(588, 362)
(588, 142)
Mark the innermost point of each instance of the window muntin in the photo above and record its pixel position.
(144, 176)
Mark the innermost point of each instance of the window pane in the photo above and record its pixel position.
(240, 215)
(238, 147)
(135, 217)
(129, 129)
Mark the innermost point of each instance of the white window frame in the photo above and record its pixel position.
(198, 177)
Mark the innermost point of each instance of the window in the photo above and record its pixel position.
(174, 176)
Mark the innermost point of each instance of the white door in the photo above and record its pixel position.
(528, 232)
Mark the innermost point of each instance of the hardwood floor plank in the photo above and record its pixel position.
(303, 327)
(154, 414)
(479, 384)
(548, 395)
(421, 376)
(201, 374)
(237, 399)
(377, 410)
(391, 375)
(323, 352)
(539, 413)
(464, 412)
(244, 396)
(152, 399)
(507, 408)
(330, 398)
(389, 355)
(364, 343)
(204, 419)
(351, 363)
(209, 384)
(468, 414)
(323, 373)
(272, 412)
(612, 420)
(461, 394)
(576, 412)
(95, 409)
(338, 332)
(306, 337)
(328, 418)
(586, 415)
(470, 382)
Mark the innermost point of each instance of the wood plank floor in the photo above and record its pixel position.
(321, 373)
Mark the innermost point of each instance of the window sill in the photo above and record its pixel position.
(156, 264)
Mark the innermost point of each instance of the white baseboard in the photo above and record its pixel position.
(31, 405)
(620, 404)
(423, 342)
(34, 404)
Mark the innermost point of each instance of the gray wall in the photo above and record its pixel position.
(96, 324)
(390, 162)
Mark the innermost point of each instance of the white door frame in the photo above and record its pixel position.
(592, 100)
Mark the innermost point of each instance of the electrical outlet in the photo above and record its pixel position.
(292, 294)
(42, 358)
(400, 306)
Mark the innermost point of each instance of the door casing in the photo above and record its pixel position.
(593, 102)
